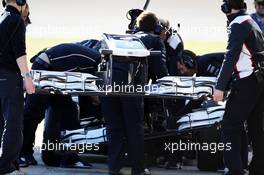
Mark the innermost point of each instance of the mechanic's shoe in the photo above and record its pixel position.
(146, 172)
(172, 165)
(31, 160)
(77, 165)
(72, 160)
(228, 173)
(246, 172)
(16, 172)
(143, 173)
(27, 158)
(22, 162)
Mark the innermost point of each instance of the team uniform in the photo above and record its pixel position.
(174, 48)
(124, 115)
(12, 46)
(209, 66)
(246, 100)
(63, 57)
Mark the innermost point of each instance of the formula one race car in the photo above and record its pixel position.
(163, 128)
(201, 126)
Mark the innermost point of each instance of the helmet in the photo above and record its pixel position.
(188, 59)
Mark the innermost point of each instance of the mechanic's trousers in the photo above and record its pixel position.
(124, 122)
(35, 109)
(11, 119)
(245, 103)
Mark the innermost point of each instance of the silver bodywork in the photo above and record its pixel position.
(196, 120)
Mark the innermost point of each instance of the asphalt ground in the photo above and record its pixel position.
(98, 169)
(101, 169)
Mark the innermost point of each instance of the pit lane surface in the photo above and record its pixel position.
(98, 169)
(101, 169)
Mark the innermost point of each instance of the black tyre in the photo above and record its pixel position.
(51, 158)
(206, 160)
(61, 113)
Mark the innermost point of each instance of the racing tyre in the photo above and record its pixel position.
(51, 137)
(50, 158)
(206, 160)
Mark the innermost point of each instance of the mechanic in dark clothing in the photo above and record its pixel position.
(69, 57)
(13, 66)
(64, 57)
(189, 65)
(174, 47)
(124, 115)
(208, 65)
(173, 44)
(243, 65)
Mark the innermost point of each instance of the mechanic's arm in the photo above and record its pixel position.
(235, 44)
(19, 49)
(158, 65)
(22, 64)
(175, 56)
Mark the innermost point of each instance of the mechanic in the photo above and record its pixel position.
(13, 66)
(259, 15)
(191, 65)
(173, 44)
(174, 47)
(208, 65)
(243, 66)
(71, 57)
(124, 115)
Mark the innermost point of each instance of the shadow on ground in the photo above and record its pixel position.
(101, 169)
